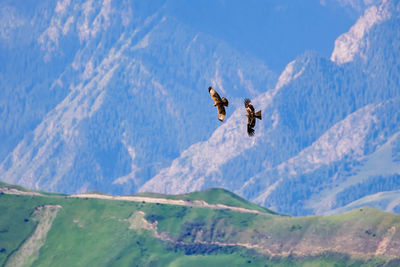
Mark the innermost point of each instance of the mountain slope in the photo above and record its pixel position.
(111, 96)
(131, 78)
(322, 122)
(90, 230)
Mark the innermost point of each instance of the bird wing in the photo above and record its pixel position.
(251, 116)
(215, 96)
(251, 120)
(218, 103)
(221, 112)
(250, 130)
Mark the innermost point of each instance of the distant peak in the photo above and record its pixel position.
(348, 44)
(292, 71)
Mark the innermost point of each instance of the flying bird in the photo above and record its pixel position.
(251, 116)
(219, 102)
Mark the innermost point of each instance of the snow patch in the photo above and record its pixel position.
(61, 6)
(102, 20)
(289, 74)
(143, 43)
(348, 45)
(357, 5)
(84, 31)
(89, 70)
(246, 83)
(60, 24)
(9, 22)
(67, 25)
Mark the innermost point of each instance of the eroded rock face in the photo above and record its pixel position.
(114, 99)
(123, 97)
(330, 127)
(353, 43)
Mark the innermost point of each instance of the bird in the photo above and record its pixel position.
(219, 102)
(251, 116)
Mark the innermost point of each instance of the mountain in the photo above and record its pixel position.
(125, 95)
(112, 96)
(213, 227)
(329, 134)
(88, 86)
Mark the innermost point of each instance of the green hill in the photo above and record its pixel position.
(214, 196)
(213, 227)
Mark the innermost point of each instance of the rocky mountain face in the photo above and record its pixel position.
(112, 96)
(126, 95)
(329, 134)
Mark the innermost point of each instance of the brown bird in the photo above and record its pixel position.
(219, 102)
(251, 116)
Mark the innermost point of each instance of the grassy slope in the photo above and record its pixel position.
(20, 188)
(214, 196)
(95, 232)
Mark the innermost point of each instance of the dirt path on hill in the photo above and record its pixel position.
(29, 251)
(14, 191)
(190, 203)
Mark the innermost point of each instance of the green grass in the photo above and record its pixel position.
(2, 184)
(15, 222)
(100, 237)
(96, 232)
(215, 260)
(214, 196)
(20, 188)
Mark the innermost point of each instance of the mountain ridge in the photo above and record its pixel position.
(121, 106)
(316, 103)
(127, 157)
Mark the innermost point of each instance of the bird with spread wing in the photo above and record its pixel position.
(251, 116)
(219, 102)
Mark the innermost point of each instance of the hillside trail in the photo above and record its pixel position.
(14, 191)
(178, 202)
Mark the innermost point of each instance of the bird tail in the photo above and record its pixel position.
(258, 115)
(225, 101)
